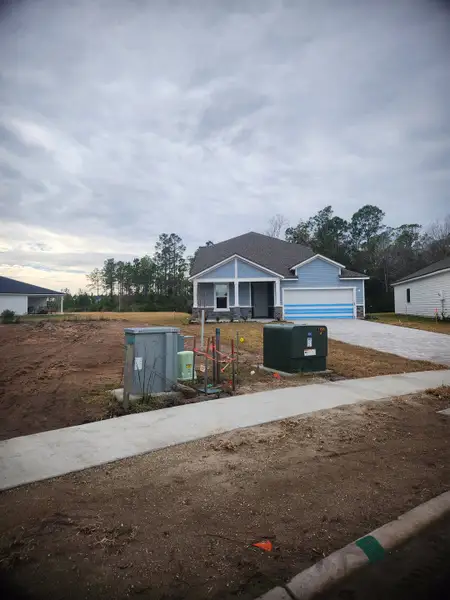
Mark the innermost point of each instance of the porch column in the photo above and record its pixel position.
(61, 310)
(277, 293)
(236, 292)
(194, 304)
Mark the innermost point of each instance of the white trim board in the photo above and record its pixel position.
(406, 281)
(40, 295)
(241, 280)
(325, 287)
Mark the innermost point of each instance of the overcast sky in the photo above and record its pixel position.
(120, 120)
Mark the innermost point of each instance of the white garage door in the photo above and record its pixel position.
(318, 304)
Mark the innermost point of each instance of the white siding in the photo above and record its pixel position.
(19, 304)
(424, 295)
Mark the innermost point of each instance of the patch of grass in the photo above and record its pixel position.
(413, 322)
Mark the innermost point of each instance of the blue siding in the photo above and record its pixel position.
(244, 294)
(224, 271)
(205, 294)
(319, 273)
(246, 270)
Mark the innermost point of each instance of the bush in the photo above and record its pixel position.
(9, 316)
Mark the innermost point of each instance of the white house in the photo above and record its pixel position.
(24, 298)
(425, 291)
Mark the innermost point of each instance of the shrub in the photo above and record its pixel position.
(9, 316)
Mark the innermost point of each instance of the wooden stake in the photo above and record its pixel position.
(218, 355)
(237, 357)
(233, 364)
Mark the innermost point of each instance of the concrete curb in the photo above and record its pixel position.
(365, 550)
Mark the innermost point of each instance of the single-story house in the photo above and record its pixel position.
(257, 276)
(425, 291)
(24, 298)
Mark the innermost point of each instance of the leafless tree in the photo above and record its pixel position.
(438, 237)
(277, 224)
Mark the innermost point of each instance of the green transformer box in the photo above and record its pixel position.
(295, 348)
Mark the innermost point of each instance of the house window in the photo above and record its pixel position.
(221, 296)
(408, 295)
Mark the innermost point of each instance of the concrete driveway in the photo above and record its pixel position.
(410, 343)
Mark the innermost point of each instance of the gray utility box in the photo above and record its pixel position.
(150, 359)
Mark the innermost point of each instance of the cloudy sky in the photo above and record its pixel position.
(120, 120)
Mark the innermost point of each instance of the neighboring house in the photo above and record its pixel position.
(24, 298)
(424, 292)
(257, 276)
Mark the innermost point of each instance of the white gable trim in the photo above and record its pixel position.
(308, 260)
(229, 259)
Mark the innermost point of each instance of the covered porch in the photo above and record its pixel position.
(45, 304)
(238, 299)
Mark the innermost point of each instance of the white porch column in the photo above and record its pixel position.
(195, 304)
(61, 310)
(277, 293)
(236, 292)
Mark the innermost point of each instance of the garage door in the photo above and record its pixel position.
(318, 304)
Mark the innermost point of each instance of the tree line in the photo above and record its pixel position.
(364, 243)
(150, 283)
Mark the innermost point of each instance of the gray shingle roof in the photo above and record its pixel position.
(433, 268)
(272, 253)
(347, 274)
(12, 286)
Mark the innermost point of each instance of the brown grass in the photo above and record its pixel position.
(174, 319)
(414, 322)
(344, 359)
(356, 361)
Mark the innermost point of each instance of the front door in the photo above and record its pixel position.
(262, 299)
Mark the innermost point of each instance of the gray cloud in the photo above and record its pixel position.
(119, 121)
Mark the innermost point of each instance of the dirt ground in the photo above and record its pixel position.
(179, 523)
(57, 373)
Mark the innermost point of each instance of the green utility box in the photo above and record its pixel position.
(295, 348)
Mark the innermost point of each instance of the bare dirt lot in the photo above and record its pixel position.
(179, 523)
(57, 373)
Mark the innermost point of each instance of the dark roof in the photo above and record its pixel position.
(347, 274)
(272, 253)
(12, 286)
(434, 268)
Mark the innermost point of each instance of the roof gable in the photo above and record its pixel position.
(318, 257)
(12, 286)
(273, 254)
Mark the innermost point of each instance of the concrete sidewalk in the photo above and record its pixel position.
(52, 453)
